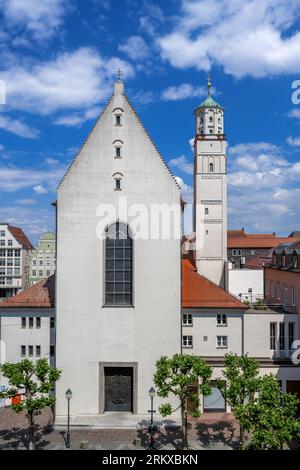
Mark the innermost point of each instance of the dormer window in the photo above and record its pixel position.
(295, 262)
(274, 261)
(283, 261)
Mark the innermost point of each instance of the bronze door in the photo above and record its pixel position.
(118, 388)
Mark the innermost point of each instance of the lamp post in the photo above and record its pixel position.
(151, 428)
(68, 397)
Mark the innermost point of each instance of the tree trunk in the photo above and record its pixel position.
(30, 431)
(242, 437)
(184, 423)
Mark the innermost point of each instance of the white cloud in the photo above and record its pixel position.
(152, 18)
(51, 161)
(76, 119)
(187, 196)
(135, 48)
(182, 92)
(75, 81)
(40, 18)
(26, 202)
(263, 188)
(253, 38)
(293, 141)
(33, 220)
(295, 113)
(14, 178)
(40, 189)
(18, 128)
(182, 164)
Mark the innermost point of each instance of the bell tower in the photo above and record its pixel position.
(210, 190)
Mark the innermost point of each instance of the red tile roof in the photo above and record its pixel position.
(40, 295)
(20, 237)
(198, 291)
(258, 242)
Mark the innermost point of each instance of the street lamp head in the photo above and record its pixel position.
(68, 394)
(152, 392)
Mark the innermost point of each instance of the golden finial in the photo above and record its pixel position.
(208, 82)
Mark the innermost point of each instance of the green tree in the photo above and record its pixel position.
(175, 375)
(238, 386)
(271, 417)
(35, 382)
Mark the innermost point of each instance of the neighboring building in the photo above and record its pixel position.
(242, 247)
(210, 190)
(15, 249)
(247, 284)
(215, 323)
(42, 260)
(282, 278)
(27, 325)
(118, 294)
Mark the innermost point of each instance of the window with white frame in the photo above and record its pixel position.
(23, 350)
(23, 322)
(30, 322)
(38, 350)
(221, 319)
(187, 319)
(222, 342)
(38, 322)
(9, 242)
(291, 334)
(30, 350)
(272, 336)
(187, 341)
(2, 242)
(293, 295)
(2, 233)
(281, 337)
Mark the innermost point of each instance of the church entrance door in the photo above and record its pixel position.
(118, 389)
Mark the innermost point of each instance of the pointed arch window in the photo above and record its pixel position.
(118, 265)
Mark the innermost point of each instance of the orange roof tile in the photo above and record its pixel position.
(39, 295)
(198, 291)
(258, 242)
(20, 237)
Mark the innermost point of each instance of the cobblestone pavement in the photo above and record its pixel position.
(211, 431)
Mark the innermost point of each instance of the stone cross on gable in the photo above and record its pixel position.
(119, 75)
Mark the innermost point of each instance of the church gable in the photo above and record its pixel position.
(119, 146)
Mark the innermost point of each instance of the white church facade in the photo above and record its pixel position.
(120, 310)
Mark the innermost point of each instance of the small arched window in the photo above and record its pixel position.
(118, 265)
(211, 167)
(118, 178)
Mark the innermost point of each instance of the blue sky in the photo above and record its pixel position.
(58, 62)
